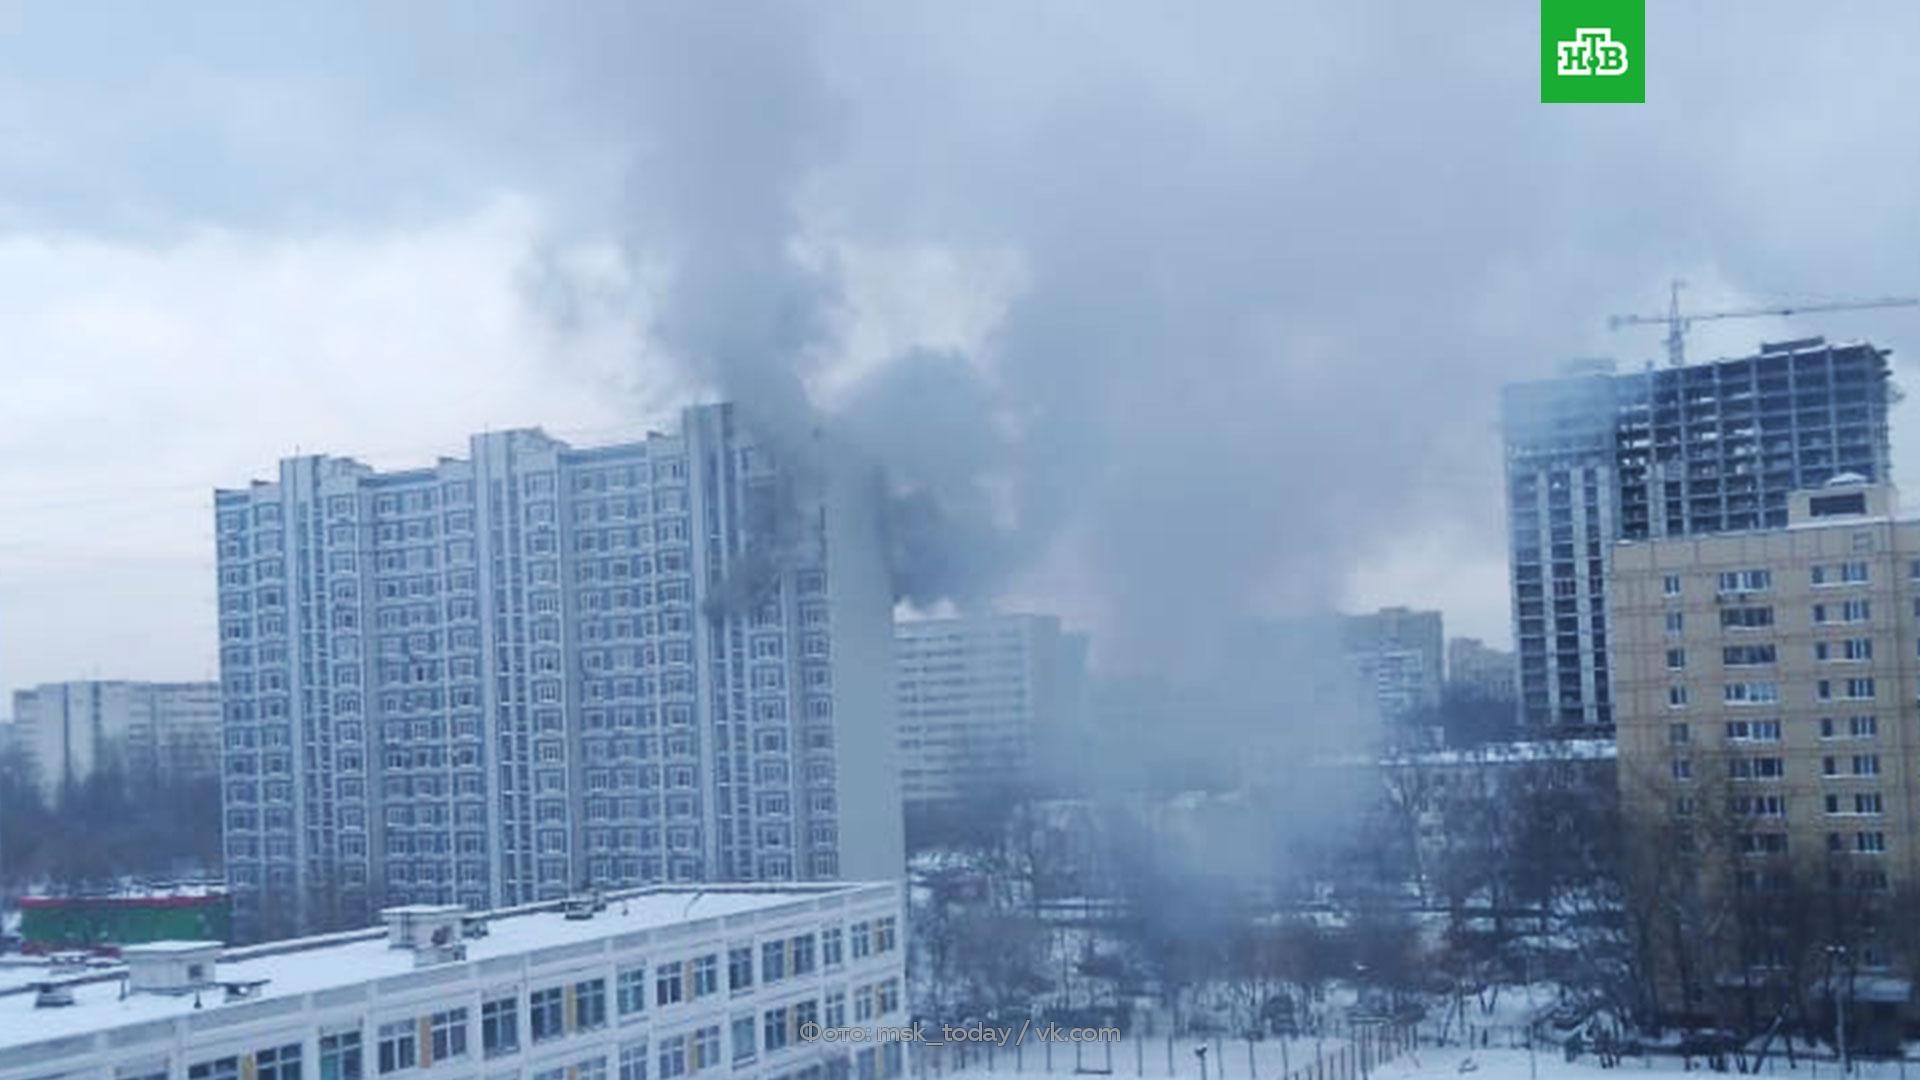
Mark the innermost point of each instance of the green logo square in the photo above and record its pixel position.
(1593, 50)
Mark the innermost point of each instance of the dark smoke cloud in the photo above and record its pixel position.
(1275, 259)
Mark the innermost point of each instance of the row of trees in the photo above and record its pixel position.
(117, 822)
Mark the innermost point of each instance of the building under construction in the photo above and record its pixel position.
(1597, 456)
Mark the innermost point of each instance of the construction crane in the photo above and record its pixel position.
(1678, 324)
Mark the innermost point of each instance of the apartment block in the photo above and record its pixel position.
(537, 668)
(1400, 657)
(663, 983)
(67, 730)
(1597, 456)
(1767, 685)
(1480, 669)
(988, 705)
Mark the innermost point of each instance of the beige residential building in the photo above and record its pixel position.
(1766, 684)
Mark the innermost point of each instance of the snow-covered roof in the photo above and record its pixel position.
(302, 965)
(1513, 753)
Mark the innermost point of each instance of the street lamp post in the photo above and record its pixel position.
(1838, 953)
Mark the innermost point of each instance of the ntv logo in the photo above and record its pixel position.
(1580, 39)
(1592, 52)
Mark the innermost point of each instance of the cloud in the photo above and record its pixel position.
(142, 377)
(1232, 328)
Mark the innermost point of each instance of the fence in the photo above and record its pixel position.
(1364, 1048)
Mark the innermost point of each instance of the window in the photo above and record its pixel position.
(742, 1037)
(226, 1068)
(673, 1057)
(706, 975)
(1870, 843)
(589, 1004)
(448, 1034)
(802, 954)
(886, 930)
(668, 987)
(1863, 803)
(1746, 618)
(546, 1013)
(630, 989)
(1753, 730)
(837, 1009)
(775, 1029)
(1849, 689)
(773, 962)
(1845, 573)
(1755, 768)
(399, 1045)
(1676, 699)
(277, 1063)
(706, 1048)
(1750, 693)
(340, 1056)
(1767, 806)
(862, 932)
(1746, 655)
(831, 946)
(1863, 727)
(500, 1026)
(740, 967)
(1866, 764)
(1670, 585)
(1679, 734)
(887, 996)
(633, 1061)
(1746, 581)
(1847, 611)
(1676, 622)
(1676, 659)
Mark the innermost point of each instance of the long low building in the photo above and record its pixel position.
(644, 985)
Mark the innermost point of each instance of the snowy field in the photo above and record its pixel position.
(1427, 1063)
(1452, 1063)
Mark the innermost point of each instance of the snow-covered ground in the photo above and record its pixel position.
(1450, 1063)
(1149, 1062)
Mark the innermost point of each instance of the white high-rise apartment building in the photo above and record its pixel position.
(503, 678)
(69, 729)
(987, 704)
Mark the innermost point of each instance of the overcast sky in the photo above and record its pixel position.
(1203, 310)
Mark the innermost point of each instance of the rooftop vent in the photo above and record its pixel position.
(585, 905)
(431, 931)
(244, 990)
(170, 967)
(48, 995)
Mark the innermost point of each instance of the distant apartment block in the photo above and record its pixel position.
(68, 730)
(1767, 687)
(1597, 457)
(1480, 669)
(664, 983)
(986, 704)
(502, 678)
(1400, 657)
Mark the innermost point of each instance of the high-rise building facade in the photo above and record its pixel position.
(1480, 669)
(1400, 657)
(67, 730)
(505, 677)
(1768, 728)
(987, 703)
(1597, 457)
